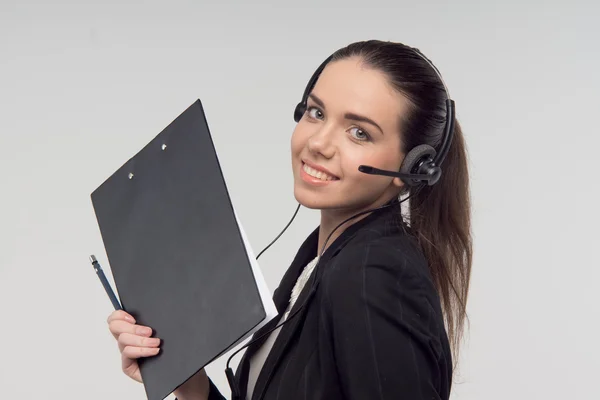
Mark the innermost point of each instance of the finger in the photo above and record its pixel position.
(135, 339)
(119, 326)
(128, 339)
(120, 314)
(134, 352)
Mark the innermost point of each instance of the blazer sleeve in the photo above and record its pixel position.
(384, 329)
(213, 393)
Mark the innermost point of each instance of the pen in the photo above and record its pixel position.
(105, 283)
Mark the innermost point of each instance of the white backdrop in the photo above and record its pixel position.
(84, 85)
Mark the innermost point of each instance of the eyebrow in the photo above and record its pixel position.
(348, 115)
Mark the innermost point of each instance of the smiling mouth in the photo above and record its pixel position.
(318, 174)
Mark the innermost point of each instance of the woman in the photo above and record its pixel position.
(382, 313)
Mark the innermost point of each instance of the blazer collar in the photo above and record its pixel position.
(308, 250)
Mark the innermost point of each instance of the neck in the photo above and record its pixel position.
(329, 221)
(331, 218)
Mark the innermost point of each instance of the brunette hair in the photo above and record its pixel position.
(439, 215)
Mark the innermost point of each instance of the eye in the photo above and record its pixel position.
(360, 134)
(314, 112)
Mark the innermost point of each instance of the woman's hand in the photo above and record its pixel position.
(134, 342)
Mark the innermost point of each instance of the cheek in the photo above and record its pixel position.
(354, 155)
(298, 140)
(381, 157)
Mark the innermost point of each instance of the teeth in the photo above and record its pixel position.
(317, 174)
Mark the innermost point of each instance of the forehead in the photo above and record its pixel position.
(350, 86)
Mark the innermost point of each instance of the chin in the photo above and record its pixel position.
(307, 199)
(327, 201)
(315, 201)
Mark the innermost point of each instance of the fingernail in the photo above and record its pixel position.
(142, 330)
(130, 318)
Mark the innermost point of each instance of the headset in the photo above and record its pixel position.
(422, 163)
(420, 167)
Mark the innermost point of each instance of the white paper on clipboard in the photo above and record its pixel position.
(265, 294)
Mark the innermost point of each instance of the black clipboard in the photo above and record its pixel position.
(178, 254)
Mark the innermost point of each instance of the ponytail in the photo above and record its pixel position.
(440, 218)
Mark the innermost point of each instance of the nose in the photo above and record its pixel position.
(322, 141)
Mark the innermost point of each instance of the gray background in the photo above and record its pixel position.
(84, 85)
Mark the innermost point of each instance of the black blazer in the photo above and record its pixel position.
(373, 329)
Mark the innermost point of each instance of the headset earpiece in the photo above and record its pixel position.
(420, 161)
(301, 107)
(299, 111)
